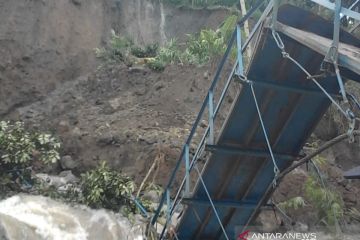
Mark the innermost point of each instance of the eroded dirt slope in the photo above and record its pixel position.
(122, 115)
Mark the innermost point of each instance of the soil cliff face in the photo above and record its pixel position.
(152, 21)
(44, 43)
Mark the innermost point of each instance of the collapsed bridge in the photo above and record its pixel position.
(297, 69)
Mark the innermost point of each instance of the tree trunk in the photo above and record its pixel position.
(246, 25)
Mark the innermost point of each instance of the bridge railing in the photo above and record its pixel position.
(209, 111)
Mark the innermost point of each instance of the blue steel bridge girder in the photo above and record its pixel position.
(237, 177)
(263, 153)
(225, 203)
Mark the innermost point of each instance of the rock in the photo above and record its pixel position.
(76, 132)
(67, 187)
(267, 221)
(108, 109)
(140, 91)
(158, 86)
(203, 124)
(115, 103)
(65, 177)
(327, 128)
(137, 69)
(206, 75)
(76, 2)
(139, 219)
(350, 198)
(152, 196)
(67, 162)
(160, 227)
(105, 139)
(301, 227)
(69, 176)
(99, 102)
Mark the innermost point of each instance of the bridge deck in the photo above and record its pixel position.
(240, 184)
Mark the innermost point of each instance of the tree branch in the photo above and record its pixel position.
(325, 146)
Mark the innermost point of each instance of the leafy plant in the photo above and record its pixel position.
(354, 213)
(117, 50)
(328, 203)
(319, 160)
(19, 147)
(207, 44)
(293, 203)
(228, 26)
(120, 43)
(156, 65)
(101, 52)
(170, 53)
(103, 187)
(138, 52)
(149, 51)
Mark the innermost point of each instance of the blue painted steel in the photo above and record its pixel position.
(233, 204)
(140, 207)
(240, 68)
(211, 117)
(168, 203)
(289, 118)
(246, 152)
(285, 87)
(187, 170)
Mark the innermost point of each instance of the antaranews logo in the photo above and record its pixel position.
(243, 235)
(247, 235)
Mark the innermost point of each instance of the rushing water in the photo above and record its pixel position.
(36, 218)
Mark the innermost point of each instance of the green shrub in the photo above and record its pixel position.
(149, 51)
(117, 50)
(19, 147)
(105, 188)
(120, 43)
(228, 27)
(170, 53)
(327, 202)
(206, 45)
(138, 52)
(293, 203)
(156, 65)
(209, 43)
